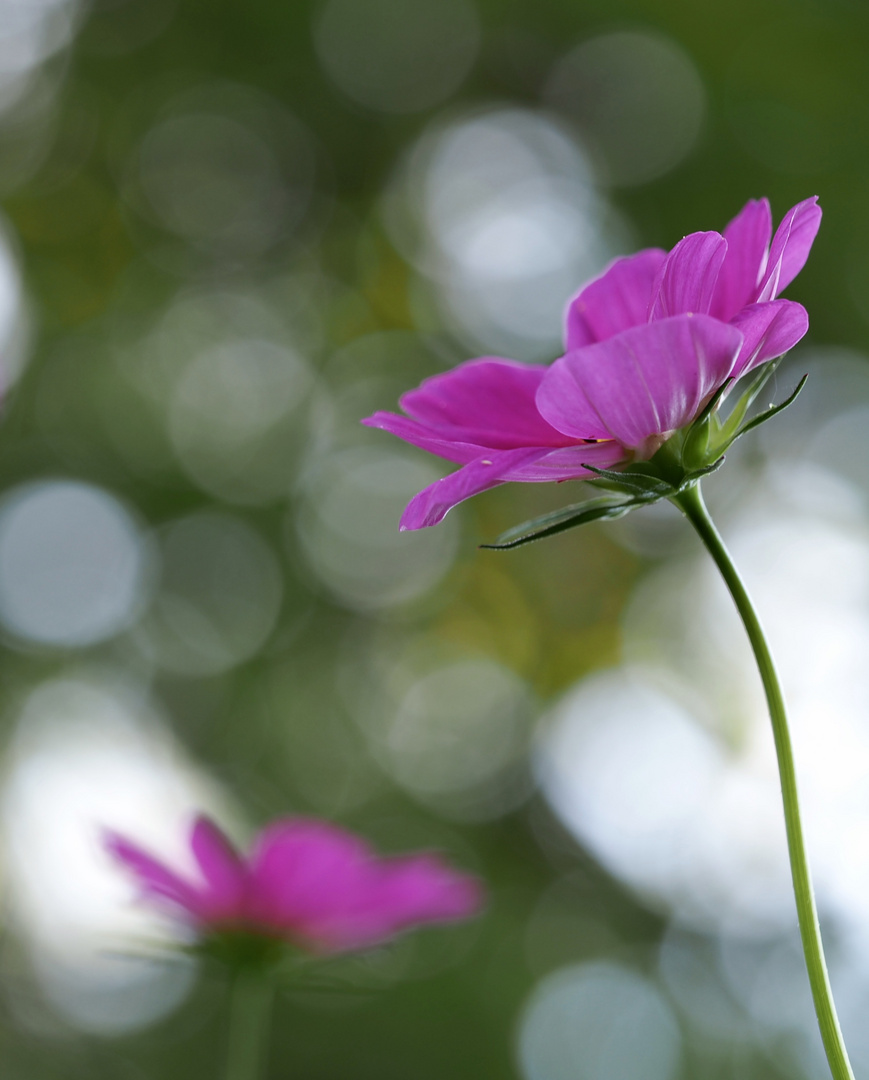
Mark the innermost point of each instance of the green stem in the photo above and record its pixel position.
(692, 505)
(250, 1008)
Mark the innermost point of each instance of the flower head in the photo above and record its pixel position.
(305, 881)
(648, 344)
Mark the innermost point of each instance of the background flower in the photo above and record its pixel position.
(307, 882)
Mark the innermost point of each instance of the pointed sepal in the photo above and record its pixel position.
(634, 481)
(769, 413)
(568, 517)
(698, 436)
(746, 399)
(641, 485)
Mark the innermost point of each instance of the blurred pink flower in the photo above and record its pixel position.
(648, 344)
(306, 881)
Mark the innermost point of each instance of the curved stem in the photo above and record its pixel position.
(250, 1006)
(691, 504)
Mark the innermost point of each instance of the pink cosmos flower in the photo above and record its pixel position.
(306, 881)
(648, 343)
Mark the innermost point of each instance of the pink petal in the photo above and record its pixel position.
(747, 237)
(615, 301)
(488, 402)
(646, 381)
(790, 247)
(304, 870)
(424, 889)
(224, 872)
(567, 463)
(537, 465)
(431, 505)
(769, 330)
(327, 888)
(154, 877)
(399, 894)
(417, 434)
(686, 280)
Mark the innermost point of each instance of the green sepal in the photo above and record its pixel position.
(769, 413)
(696, 442)
(747, 398)
(734, 427)
(568, 517)
(631, 481)
(640, 489)
(712, 404)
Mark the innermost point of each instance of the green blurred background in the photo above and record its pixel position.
(230, 231)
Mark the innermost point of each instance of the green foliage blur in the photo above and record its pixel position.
(200, 199)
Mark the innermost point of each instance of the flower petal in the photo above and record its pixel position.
(224, 872)
(567, 463)
(417, 434)
(328, 888)
(402, 893)
(686, 280)
(646, 381)
(154, 877)
(422, 888)
(489, 402)
(747, 237)
(615, 301)
(536, 465)
(769, 330)
(303, 871)
(431, 505)
(790, 247)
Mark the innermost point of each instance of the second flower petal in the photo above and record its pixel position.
(687, 278)
(224, 872)
(534, 465)
(769, 330)
(646, 381)
(616, 301)
(790, 247)
(488, 402)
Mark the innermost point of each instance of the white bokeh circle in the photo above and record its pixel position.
(73, 564)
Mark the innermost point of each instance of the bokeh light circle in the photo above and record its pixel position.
(352, 501)
(208, 178)
(15, 315)
(237, 418)
(31, 32)
(225, 169)
(73, 565)
(499, 210)
(219, 595)
(397, 56)
(638, 98)
(658, 800)
(598, 1021)
(458, 736)
(665, 766)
